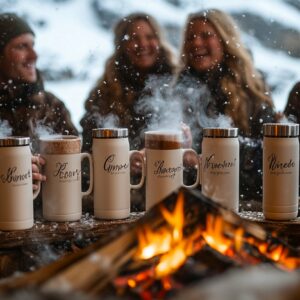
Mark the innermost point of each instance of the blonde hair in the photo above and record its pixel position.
(242, 83)
(110, 79)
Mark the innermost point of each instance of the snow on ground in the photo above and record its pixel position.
(68, 36)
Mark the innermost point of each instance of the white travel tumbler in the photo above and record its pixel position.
(112, 173)
(280, 171)
(220, 166)
(16, 203)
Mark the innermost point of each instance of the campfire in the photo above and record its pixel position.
(166, 248)
(185, 238)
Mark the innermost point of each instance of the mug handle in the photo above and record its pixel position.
(195, 184)
(38, 182)
(140, 184)
(36, 192)
(89, 157)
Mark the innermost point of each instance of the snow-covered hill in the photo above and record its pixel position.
(73, 38)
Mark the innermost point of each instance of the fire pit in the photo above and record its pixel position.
(185, 239)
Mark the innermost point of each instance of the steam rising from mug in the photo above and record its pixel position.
(166, 107)
(109, 121)
(5, 129)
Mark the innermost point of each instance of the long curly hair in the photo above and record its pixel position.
(242, 83)
(111, 79)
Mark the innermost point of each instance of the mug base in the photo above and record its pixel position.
(283, 216)
(112, 214)
(16, 225)
(63, 218)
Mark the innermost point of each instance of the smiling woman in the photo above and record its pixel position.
(140, 52)
(218, 82)
(203, 46)
(141, 45)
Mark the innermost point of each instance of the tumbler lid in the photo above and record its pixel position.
(220, 132)
(110, 133)
(281, 130)
(14, 141)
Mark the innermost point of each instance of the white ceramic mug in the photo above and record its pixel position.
(220, 166)
(16, 205)
(62, 192)
(164, 165)
(111, 157)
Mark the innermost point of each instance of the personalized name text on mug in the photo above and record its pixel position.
(13, 175)
(112, 167)
(64, 172)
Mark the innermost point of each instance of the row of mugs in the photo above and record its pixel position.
(162, 170)
(109, 174)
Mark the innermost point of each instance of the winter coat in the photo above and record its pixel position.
(204, 106)
(26, 109)
(292, 109)
(107, 108)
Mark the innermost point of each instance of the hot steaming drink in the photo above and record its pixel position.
(164, 164)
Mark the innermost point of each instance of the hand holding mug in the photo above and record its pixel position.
(36, 162)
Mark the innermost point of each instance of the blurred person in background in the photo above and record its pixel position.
(292, 109)
(219, 79)
(25, 105)
(141, 52)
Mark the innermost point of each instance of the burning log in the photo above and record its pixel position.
(173, 234)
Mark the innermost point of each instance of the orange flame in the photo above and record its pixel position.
(172, 248)
(168, 242)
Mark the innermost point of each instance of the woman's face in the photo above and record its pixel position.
(203, 47)
(19, 59)
(141, 45)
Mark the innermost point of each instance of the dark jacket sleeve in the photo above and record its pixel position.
(264, 114)
(88, 123)
(292, 109)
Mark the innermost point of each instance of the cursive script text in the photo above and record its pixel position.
(274, 164)
(111, 167)
(62, 173)
(161, 170)
(210, 164)
(12, 175)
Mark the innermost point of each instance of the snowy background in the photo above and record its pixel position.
(74, 38)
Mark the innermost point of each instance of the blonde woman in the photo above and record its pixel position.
(217, 78)
(140, 52)
(214, 56)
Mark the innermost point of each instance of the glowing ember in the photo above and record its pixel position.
(171, 247)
